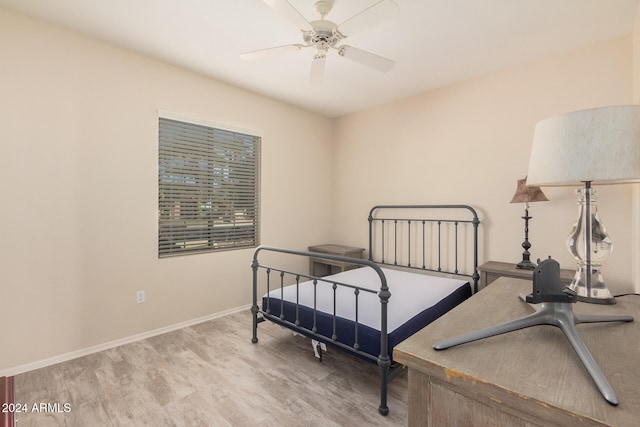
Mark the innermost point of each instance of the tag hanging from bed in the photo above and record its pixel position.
(318, 348)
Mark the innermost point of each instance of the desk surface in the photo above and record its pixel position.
(534, 371)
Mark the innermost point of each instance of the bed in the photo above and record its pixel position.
(422, 262)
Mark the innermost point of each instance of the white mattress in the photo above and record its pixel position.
(411, 293)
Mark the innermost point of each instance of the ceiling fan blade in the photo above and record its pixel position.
(278, 50)
(284, 8)
(317, 69)
(368, 18)
(368, 59)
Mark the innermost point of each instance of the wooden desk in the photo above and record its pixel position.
(530, 377)
(345, 251)
(492, 270)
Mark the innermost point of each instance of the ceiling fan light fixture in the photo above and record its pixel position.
(320, 54)
(323, 33)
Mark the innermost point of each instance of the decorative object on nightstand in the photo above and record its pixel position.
(594, 146)
(490, 271)
(526, 195)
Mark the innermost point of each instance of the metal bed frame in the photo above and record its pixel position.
(388, 370)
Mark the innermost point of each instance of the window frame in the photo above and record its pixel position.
(190, 217)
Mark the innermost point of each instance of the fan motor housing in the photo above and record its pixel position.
(324, 34)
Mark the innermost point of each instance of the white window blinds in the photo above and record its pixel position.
(208, 189)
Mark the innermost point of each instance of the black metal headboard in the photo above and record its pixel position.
(409, 236)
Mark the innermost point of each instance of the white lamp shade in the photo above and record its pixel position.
(600, 145)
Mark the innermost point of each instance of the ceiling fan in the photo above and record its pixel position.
(323, 35)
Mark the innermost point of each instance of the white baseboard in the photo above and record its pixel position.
(115, 343)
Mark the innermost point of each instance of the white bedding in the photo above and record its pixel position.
(411, 293)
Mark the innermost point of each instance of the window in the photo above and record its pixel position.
(208, 189)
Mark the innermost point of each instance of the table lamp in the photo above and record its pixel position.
(593, 146)
(525, 194)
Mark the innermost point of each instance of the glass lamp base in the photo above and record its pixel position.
(590, 244)
(598, 294)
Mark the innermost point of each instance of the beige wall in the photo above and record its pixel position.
(79, 173)
(636, 57)
(79, 189)
(470, 142)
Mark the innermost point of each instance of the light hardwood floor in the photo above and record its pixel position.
(211, 374)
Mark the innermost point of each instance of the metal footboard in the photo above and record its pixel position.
(383, 360)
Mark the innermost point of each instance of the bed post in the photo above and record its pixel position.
(476, 275)
(371, 234)
(254, 306)
(384, 362)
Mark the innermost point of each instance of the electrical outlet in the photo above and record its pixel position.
(139, 297)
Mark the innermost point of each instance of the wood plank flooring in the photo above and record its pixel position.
(211, 374)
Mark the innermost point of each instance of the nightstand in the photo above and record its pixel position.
(491, 270)
(329, 265)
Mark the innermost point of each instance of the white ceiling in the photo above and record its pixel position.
(434, 42)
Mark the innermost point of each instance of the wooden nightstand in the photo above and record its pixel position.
(491, 270)
(328, 265)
